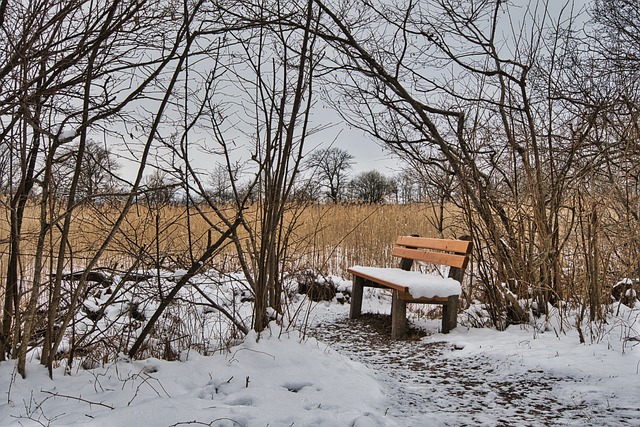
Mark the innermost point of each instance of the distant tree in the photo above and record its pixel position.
(407, 187)
(332, 165)
(159, 189)
(96, 177)
(221, 183)
(433, 183)
(370, 187)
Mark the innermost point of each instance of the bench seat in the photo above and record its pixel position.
(416, 284)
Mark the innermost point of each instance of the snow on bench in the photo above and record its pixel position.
(415, 283)
(413, 286)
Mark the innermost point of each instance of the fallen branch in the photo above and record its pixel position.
(79, 399)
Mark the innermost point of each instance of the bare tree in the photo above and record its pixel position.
(617, 37)
(370, 187)
(84, 54)
(430, 181)
(606, 84)
(98, 175)
(159, 189)
(283, 97)
(267, 62)
(221, 187)
(332, 166)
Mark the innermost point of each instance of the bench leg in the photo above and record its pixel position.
(450, 314)
(356, 298)
(398, 317)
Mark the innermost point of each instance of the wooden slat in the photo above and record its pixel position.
(375, 279)
(448, 245)
(452, 260)
(407, 297)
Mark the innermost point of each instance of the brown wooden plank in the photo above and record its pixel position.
(386, 283)
(452, 260)
(449, 245)
(407, 297)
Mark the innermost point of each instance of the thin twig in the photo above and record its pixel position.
(79, 399)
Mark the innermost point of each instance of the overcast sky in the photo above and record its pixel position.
(368, 154)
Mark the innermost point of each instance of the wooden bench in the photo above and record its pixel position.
(414, 286)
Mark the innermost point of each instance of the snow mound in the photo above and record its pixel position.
(270, 381)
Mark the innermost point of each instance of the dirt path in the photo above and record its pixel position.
(428, 387)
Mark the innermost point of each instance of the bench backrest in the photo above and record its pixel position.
(449, 252)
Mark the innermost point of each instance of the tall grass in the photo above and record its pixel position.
(347, 235)
(327, 238)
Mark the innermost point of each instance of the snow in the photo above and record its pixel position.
(527, 375)
(275, 381)
(420, 285)
(179, 274)
(537, 374)
(68, 134)
(64, 134)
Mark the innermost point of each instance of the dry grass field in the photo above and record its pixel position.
(328, 238)
(346, 235)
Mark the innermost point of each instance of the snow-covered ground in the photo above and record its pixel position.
(352, 375)
(482, 377)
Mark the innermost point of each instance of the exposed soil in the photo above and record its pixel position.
(427, 387)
